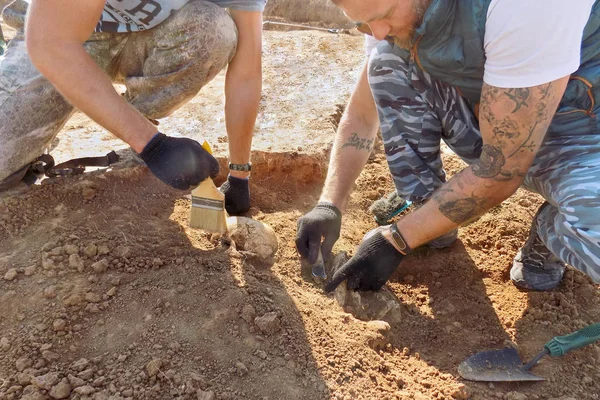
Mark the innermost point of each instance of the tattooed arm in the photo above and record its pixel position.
(352, 144)
(513, 124)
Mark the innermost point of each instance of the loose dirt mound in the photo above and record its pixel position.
(107, 292)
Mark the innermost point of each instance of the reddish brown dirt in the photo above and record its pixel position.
(176, 295)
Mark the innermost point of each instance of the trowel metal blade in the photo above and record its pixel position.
(318, 268)
(496, 366)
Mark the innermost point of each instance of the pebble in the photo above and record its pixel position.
(50, 292)
(100, 266)
(61, 390)
(30, 270)
(59, 325)
(11, 274)
(75, 381)
(4, 343)
(268, 323)
(85, 390)
(22, 363)
(45, 382)
(50, 356)
(93, 297)
(90, 250)
(112, 291)
(153, 367)
(103, 250)
(71, 249)
(241, 368)
(76, 262)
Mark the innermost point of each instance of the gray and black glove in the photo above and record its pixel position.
(237, 195)
(179, 162)
(325, 220)
(374, 262)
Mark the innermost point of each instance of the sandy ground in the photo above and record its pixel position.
(107, 293)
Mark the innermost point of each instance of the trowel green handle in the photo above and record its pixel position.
(561, 345)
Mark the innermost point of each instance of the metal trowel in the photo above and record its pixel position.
(506, 366)
(318, 268)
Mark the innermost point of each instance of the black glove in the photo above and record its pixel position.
(179, 162)
(372, 265)
(325, 220)
(237, 195)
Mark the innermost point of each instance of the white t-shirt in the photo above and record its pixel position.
(530, 42)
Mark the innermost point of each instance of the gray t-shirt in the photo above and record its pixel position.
(141, 15)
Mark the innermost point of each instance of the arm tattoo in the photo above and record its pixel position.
(519, 96)
(359, 143)
(515, 119)
(459, 210)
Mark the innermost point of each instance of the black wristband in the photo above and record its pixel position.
(399, 240)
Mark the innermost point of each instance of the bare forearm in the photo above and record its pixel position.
(85, 85)
(462, 199)
(352, 144)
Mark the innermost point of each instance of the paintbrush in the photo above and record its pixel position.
(208, 205)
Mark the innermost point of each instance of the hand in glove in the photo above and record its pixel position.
(179, 162)
(237, 195)
(372, 265)
(325, 220)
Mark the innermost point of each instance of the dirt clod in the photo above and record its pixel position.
(268, 323)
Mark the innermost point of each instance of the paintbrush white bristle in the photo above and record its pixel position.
(208, 208)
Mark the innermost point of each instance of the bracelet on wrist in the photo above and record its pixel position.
(398, 239)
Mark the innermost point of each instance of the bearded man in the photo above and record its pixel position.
(513, 88)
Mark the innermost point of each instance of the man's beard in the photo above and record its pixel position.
(408, 40)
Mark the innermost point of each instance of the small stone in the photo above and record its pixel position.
(50, 292)
(61, 391)
(241, 368)
(24, 378)
(202, 395)
(100, 266)
(73, 300)
(4, 343)
(122, 251)
(30, 270)
(71, 249)
(92, 297)
(76, 262)
(516, 396)
(22, 363)
(45, 382)
(153, 367)
(90, 250)
(75, 381)
(80, 364)
(88, 193)
(50, 356)
(248, 313)
(86, 374)
(103, 250)
(268, 323)
(112, 291)
(11, 274)
(59, 325)
(461, 392)
(85, 390)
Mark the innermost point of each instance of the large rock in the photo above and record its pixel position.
(253, 238)
(366, 306)
(317, 12)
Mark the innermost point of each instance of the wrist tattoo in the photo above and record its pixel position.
(359, 143)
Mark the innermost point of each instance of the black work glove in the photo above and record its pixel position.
(325, 220)
(237, 195)
(372, 265)
(179, 162)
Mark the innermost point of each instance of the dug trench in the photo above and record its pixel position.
(106, 293)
